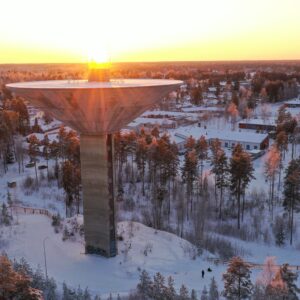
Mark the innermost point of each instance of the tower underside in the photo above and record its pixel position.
(96, 154)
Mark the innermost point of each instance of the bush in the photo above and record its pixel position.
(129, 204)
(56, 220)
(279, 228)
(223, 248)
(28, 183)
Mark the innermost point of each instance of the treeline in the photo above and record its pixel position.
(275, 86)
(20, 281)
(273, 283)
(14, 123)
(65, 152)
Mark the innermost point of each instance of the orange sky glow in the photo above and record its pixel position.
(56, 31)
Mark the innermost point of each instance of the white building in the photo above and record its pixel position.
(228, 139)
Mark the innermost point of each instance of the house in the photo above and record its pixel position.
(140, 122)
(258, 124)
(180, 118)
(204, 109)
(293, 103)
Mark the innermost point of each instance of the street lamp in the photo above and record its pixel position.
(45, 259)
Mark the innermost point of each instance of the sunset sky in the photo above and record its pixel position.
(35, 31)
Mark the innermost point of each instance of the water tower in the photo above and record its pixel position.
(96, 108)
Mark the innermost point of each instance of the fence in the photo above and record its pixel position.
(30, 210)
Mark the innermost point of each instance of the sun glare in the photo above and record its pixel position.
(98, 58)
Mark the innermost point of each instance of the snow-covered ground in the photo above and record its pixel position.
(141, 248)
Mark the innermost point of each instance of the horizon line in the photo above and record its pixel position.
(160, 61)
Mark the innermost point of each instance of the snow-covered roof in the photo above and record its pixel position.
(293, 101)
(203, 108)
(259, 121)
(154, 121)
(167, 113)
(212, 89)
(225, 135)
(177, 138)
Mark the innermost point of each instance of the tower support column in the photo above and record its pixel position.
(97, 175)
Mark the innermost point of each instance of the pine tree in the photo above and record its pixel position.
(220, 169)
(190, 144)
(237, 282)
(140, 158)
(193, 295)
(258, 292)
(155, 132)
(213, 290)
(279, 231)
(33, 152)
(271, 169)
(189, 173)
(5, 217)
(23, 267)
(290, 280)
(292, 192)
(87, 295)
(15, 284)
(202, 151)
(38, 279)
(110, 297)
(241, 173)
(170, 292)
(158, 286)
(9, 199)
(145, 285)
(183, 293)
(46, 152)
(68, 294)
(50, 290)
(196, 95)
(204, 295)
(276, 289)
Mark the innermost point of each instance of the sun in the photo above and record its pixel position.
(98, 58)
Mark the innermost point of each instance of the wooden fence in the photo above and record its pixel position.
(30, 210)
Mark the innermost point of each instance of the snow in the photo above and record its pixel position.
(66, 260)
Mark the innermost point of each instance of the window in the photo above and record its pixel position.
(232, 145)
(226, 144)
(247, 147)
(255, 147)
